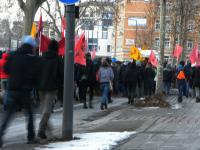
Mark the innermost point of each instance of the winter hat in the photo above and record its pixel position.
(27, 39)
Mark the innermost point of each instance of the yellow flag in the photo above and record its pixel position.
(33, 30)
(135, 53)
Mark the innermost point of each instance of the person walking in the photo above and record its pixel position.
(167, 79)
(105, 76)
(22, 69)
(51, 75)
(181, 81)
(3, 76)
(131, 78)
(196, 82)
(149, 75)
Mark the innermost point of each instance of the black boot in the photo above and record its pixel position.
(101, 107)
(129, 100)
(132, 101)
(85, 106)
(197, 100)
(1, 142)
(90, 105)
(106, 106)
(180, 99)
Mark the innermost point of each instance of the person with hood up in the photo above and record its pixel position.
(51, 75)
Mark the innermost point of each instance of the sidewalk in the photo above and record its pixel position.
(157, 129)
(167, 129)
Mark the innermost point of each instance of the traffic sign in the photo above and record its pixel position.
(69, 2)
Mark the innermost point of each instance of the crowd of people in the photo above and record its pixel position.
(28, 78)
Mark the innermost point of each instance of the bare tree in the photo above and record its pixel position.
(29, 7)
(161, 49)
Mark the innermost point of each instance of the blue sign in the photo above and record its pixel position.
(69, 2)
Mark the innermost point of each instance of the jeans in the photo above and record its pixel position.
(47, 100)
(104, 92)
(181, 88)
(23, 99)
(166, 87)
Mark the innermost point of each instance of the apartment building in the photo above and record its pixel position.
(139, 25)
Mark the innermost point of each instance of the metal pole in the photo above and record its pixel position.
(67, 128)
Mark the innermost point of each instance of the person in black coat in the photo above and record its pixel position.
(196, 82)
(167, 79)
(149, 75)
(51, 75)
(131, 77)
(22, 67)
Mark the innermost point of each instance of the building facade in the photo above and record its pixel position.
(139, 25)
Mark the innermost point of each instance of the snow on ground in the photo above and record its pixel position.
(177, 106)
(91, 141)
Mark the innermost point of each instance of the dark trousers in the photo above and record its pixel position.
(131, 88)
(23, 99)
(182, 89)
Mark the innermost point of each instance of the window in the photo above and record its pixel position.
(157, 25)
(167, 43)
(108, 48)
(190, 25)
(104, 35)
(189, 44)
(157, 42)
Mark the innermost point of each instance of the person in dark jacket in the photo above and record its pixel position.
(23, 72)
(167, 79)
(82, 83)
(51, 75)
(140, 80)
(131, 78)
(196, 82)
(149, 75)
(91, 77)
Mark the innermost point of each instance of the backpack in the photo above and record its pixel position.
(181, 75)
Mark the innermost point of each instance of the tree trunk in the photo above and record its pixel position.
(161, 49)
(29, 8)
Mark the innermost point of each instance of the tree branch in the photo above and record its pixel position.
(21, 4)
(53, 20)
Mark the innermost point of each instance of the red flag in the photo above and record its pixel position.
(80, 48)
(194, 54)
(61, 50)
(152, 59)
(178, 51)
(63, 28)
(40, 24)
(44, 43)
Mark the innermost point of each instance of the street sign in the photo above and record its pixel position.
(69, 2)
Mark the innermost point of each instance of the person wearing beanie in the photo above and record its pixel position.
(22, 69)
(51, 75)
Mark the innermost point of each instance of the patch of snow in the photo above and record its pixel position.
(91, 141)
(151, 108)
(177, 106)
